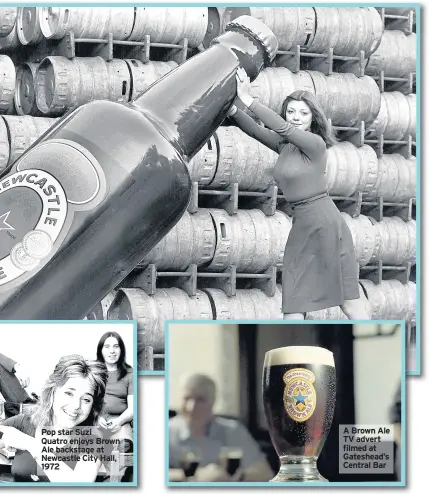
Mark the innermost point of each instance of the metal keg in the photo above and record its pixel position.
(272, 86)
(347, 99)
(203, 166)
(25, 93)
(100, 310)
(7, 83)
(348, 30)
(145, 74)
(4, 145)
(87, 22)
(249, 240)
(396, 55)
(376, 298)
(191, 241)
(398, 178)
(243, 160)
(151, 312)
(365, 237)
(397, 241)
(396, 118)
(248, 304)
(7, 20)
(28, 25)
(23, 131)
(63, 83)
(119, 81)
(171, 25)
(291, 25)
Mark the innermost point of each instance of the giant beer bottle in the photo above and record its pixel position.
(93, 195)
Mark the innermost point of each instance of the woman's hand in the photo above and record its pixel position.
(13, 438)
(243, 87)
(114, 425)
(103, 423)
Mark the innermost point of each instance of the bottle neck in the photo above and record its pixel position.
(189, 103)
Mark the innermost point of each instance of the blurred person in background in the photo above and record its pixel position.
(195, 427)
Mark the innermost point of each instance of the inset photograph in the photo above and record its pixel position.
(288, 403)
(68, 403)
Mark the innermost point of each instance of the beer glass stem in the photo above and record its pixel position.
(298, 469)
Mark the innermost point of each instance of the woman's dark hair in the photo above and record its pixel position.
(122, 364)
(68, 367)
(319, 124)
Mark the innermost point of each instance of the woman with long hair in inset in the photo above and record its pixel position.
(71, 399)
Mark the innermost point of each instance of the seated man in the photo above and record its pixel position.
(13, 380)
(196, 427)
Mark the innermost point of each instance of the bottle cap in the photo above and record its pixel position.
(258, 30)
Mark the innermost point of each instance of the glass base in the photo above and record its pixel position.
(298, 469)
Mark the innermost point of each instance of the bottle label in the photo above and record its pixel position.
(51, 182)
(33, 209)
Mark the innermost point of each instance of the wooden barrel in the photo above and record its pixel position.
(243, 160)
(145, 74)
(171, 25)
(119, 81)
(365, 237)
(396, 55)
(23, 131)
(191, 241)
(7, 83)
(151, 312)
(398, 178)
(4, 145)
(248, 304)
(397, 241)
(28, 25)
(7, 20)
(87, 22)
(202, 167)
(396, 118)
(272, 86)
(25, 93)
(347, 99)
(63, 83)
(249, 240)
(348, 30)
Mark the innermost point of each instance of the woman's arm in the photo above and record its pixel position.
(252, 129)
(126, 416)
(310, 144)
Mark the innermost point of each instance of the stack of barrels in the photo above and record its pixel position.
(37, 90)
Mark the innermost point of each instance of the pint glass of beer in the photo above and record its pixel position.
(299, 388)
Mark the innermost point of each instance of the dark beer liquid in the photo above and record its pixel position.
(84, 205)
(290, 437)
(232, 465)
(189, 468)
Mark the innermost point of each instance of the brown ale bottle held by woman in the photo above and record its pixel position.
(92, 196)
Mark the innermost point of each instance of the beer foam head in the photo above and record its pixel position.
(314, 355)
